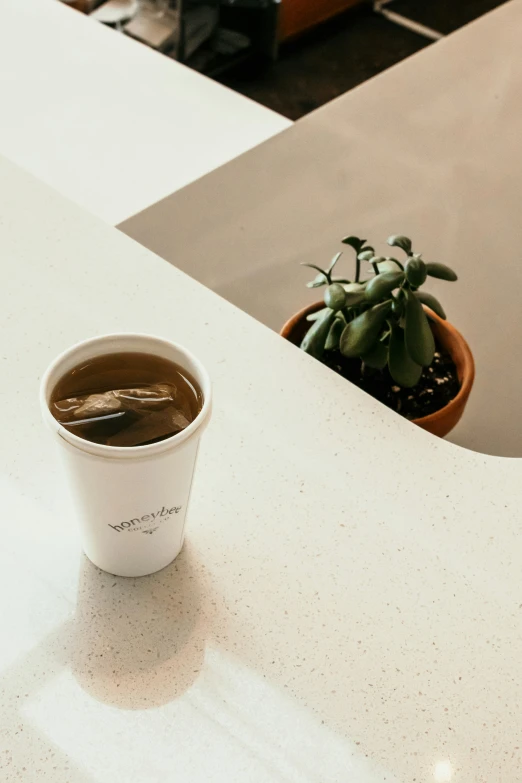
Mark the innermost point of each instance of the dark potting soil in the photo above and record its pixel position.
(438, 384)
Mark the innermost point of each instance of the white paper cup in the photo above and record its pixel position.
(131, 503)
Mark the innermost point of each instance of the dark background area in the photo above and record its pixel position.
(340, 54)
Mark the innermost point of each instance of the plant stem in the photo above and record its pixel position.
(357, 269)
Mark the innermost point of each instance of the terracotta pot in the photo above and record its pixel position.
(442, 421)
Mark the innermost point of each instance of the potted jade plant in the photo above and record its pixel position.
(388, 335)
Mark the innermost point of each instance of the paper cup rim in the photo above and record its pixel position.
(125, 452)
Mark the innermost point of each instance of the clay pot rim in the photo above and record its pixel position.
(468, 364)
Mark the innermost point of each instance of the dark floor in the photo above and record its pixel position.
(346, 51)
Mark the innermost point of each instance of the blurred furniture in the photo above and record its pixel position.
(177, 28)
(296, 16)
(112, 124)
(256, 19)
(382, 7)
(208, 35)
(80, 5)
(116, 12)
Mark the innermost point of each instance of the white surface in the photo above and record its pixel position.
(348, 603)
(108, 122)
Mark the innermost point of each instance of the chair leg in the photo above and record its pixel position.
(403, 21)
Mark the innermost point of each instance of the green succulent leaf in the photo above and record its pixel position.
(313, 266)
(418, 336)
(390, 265)
(335, 297)
(416, 272)
(318, 281)
(355, 293)
(354, 242)
(377, 356)
(333, 262)
(441, 271)
(316, 315)
(375, 261)
(382, 285)
(353, 299)
(403, 242)
(366, 255)
(398, 305)
(314, 340)
(360, 335)
(334, 335)
(431, 301)
(404, 371)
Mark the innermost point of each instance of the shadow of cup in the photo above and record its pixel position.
(138, 643)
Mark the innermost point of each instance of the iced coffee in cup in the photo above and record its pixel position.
(128, 411)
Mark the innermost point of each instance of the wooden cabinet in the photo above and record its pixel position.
(296, 16)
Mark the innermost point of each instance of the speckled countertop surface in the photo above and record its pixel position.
(348, 603)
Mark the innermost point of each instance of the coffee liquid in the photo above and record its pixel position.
(126, 399)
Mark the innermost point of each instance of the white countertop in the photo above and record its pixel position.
(112, 124)
(348, 603)
(430, 149)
